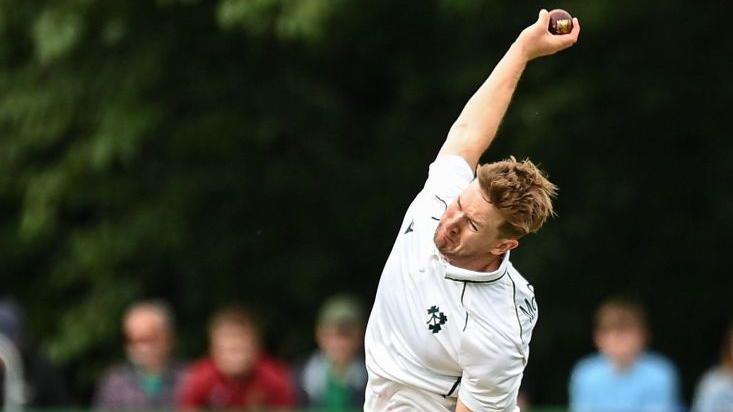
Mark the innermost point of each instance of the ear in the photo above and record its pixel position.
(504, 246)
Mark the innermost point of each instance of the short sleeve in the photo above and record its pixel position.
(492, 373)
(448, 176)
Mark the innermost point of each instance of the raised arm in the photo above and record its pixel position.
(476, 126)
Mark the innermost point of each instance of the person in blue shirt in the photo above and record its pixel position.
(714, 393)
(623, 376)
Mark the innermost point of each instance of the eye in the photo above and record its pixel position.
(473, 226)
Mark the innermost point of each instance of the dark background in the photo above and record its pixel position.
(264, 152)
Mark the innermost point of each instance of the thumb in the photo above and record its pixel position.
(543, 19)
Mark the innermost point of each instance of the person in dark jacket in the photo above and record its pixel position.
(150, 378)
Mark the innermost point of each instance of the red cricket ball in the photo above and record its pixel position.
(561, 22)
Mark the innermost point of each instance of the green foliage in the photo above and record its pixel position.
(58, 29)
(288, 19)
(265, 151)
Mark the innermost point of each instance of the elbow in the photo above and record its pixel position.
(462, 132)
(459, 127)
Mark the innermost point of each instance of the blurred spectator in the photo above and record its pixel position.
(715, 391)
(237, 374)
(44, 386)
(149, 379)
(334, 378)
(623, 377)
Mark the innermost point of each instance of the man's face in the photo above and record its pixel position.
(621, 344)
(340, 343)
(469, 229)
(234, 349)
(148, 339)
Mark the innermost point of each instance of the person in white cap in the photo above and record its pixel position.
(452, 319)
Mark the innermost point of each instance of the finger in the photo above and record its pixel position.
(562, 42)
(572, 37)
(543, 19)
(576, 28)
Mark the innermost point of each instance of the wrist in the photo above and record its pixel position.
(520, 49)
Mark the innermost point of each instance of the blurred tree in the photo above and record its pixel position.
(265, 151)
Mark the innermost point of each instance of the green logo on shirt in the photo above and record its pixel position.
(437, 319)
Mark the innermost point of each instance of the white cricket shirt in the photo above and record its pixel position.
(443, 329)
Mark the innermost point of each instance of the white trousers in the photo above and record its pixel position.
(384, 395)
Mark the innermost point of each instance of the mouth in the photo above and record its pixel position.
(442, 236)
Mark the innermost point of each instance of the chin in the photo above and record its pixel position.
(439, 242)
(448, 254)
(442, 245)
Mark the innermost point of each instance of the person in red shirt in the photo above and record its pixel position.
(237, 374)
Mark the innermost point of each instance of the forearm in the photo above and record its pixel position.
(478, 123)
(476, 126)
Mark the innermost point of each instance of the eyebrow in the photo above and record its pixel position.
(472, 220)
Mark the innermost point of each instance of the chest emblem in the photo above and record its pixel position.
(436, 319)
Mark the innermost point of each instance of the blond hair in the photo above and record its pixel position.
(521, 192)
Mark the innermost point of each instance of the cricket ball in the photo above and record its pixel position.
(561, 22)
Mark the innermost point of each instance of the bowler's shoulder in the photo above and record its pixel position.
(448, 175)
(523, 294)
(525, 303)
(508, 304)
(522, 287)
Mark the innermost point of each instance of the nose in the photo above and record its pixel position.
(453, 223)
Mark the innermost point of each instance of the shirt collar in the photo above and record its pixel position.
(465, 275)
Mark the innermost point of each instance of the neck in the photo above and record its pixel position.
(622, 365)
(339, 368)
(152, 369)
